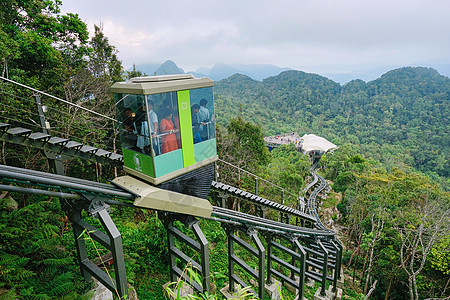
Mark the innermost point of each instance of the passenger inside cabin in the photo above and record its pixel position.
(196, 123)
(153, 119)
(204, 119)
(128, 121)
(168, 130)
(143, 141)
(129, 129)
(162, 106)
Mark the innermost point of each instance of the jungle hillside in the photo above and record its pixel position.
(389, 202)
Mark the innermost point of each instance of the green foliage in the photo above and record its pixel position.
(12, 268)
(250, 140)
(134, 73)
(441, 256)
(175, 289)
(403, 112)
(34, 262)
(343, 181)
(288, 168)
(376, 204)
(104, 58)
(382, 127)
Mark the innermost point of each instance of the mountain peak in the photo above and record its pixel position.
(169, 68)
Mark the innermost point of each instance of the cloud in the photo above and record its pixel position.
(125, 36)
(290, 33)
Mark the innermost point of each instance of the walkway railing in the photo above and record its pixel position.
(24, 106)
(228, 173)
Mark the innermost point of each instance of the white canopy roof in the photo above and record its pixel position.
(312, 142)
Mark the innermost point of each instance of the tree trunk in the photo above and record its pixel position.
(414, 282)
(445, 287)
(353, 254)
(410, 286)
(369, 270)
(364, 266)
(354, 267)
(388, 292)
(3, 153)
(371, 290)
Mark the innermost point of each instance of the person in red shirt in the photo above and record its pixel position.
(168, 130)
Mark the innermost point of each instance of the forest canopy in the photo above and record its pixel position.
(402, 116)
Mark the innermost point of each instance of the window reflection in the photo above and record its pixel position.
(202, 114)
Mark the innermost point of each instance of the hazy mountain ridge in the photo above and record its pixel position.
(262, 71)
(406, 108)
(168, 68)
(216, 73)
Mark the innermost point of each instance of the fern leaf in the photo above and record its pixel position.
(26, 274)
(62, 289)
(58, 262)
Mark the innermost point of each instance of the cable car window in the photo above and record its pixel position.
(166, 138)
(202, 114)
(131, 110)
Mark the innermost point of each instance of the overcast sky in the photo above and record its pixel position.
(300, 34)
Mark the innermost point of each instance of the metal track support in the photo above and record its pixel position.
(112, 241)
(258, 252)
(324, 268)
(230, 231)
(200, 246)
(337, 268)
(55, 160)
(115, 244)
(223, 199)
(261, 262)
(204, 253)
(298, 254)
(302, 252)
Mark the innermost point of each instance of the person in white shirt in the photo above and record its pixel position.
(204, 119)
(143, 138)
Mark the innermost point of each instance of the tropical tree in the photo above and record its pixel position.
(244, 144)
(420, 229)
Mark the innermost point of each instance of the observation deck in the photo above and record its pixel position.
(276, 141)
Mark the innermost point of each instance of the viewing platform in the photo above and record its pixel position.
(310, 144)
(282, 139)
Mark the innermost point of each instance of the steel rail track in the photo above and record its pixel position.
(77, 186)
(63, 183)
(268, 224)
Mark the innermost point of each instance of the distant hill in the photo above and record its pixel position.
(166, 68)
(169, 68)
(406, 111)
(262, 71)
(365, 74)
(369, 74)
(216, 73)
(254, 71)
(147, 69)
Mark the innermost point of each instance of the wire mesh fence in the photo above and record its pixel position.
(24, 106)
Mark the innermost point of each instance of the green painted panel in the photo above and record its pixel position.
(168, 162)
(205, 150)
(138, 162)
(187, 139)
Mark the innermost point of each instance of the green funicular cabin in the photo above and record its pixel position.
(167, 131)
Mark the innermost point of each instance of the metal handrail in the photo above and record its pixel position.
(56, 98)
(259, 178)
